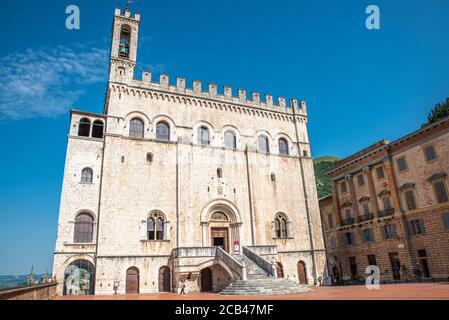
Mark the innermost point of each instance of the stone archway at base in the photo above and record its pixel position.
(302, 273)
(132, 280)
(79, 278)
(164, 279)
(206, 279)
(279, 270)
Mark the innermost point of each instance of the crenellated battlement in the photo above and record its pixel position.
(241, 96)
(127, 14)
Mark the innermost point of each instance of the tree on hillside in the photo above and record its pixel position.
(440, 111)
(323, 184)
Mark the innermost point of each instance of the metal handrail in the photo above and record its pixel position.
(365, 217)
(385, 213)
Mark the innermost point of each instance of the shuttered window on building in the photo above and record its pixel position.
(410, 200)
(440, 191)
(446, 220)
(416, 227)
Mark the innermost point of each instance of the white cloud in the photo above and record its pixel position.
(48, 82)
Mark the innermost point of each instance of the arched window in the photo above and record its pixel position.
(230, 140)
(125, 39)
(163, 131)
(136, 128)
(263, 144)
(283, 146)
(155, 227)
(273, 177)
(280, 226)
(219, 173)
(84, 127)
(203, 136)
(84, 227)
(87, 175)
(149, 157)
(97, 129)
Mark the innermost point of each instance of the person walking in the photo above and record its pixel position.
(183, 287)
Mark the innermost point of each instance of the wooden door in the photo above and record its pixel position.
(164, 279)
(279, 270)
(132, 280)
(395, 265)
(206, 279)
(219, 238)
(302, 274)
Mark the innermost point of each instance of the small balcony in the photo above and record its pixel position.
(385, 213)
(366, 217)
(347, 222)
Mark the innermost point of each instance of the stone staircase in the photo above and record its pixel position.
(260, 282)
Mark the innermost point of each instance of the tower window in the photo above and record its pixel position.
(280, 226)
(219, 173)
(87, 175)
(84, 127)
(230, 140)
(136, 128)
(263, 144)
(125, 39)
(97, 129)
(162, 131)
(155, 227)
(283, 146)
(273, 177)
(149, 157)
(203, 136)
(84, 226)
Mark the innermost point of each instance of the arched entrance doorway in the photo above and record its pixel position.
(79, 278)
(206, 279)
(279, 270)
(164, 279)
(336, 274)
(132, 280)
(302, 272)
(221, 225)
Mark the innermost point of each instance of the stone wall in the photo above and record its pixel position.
(37, 292)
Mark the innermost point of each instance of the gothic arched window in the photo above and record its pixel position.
(155, 227)
(203, 136)
(97, 129)
(230, 140)
(87, 175)
(263, 144)
(280, 226)
(125, 39)
(136, 128)
(84, 127)
(84, 227)
(163, 131)
(283, 146)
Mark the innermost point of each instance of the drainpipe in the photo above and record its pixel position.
(306, 196)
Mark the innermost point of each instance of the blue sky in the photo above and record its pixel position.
(360, 86)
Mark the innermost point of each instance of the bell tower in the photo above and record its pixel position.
(125, 31)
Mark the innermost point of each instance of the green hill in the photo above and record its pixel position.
(321, 165)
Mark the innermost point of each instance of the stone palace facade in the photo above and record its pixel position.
(172, 183)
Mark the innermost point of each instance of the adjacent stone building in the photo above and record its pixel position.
(175, 183)
(389, 207)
